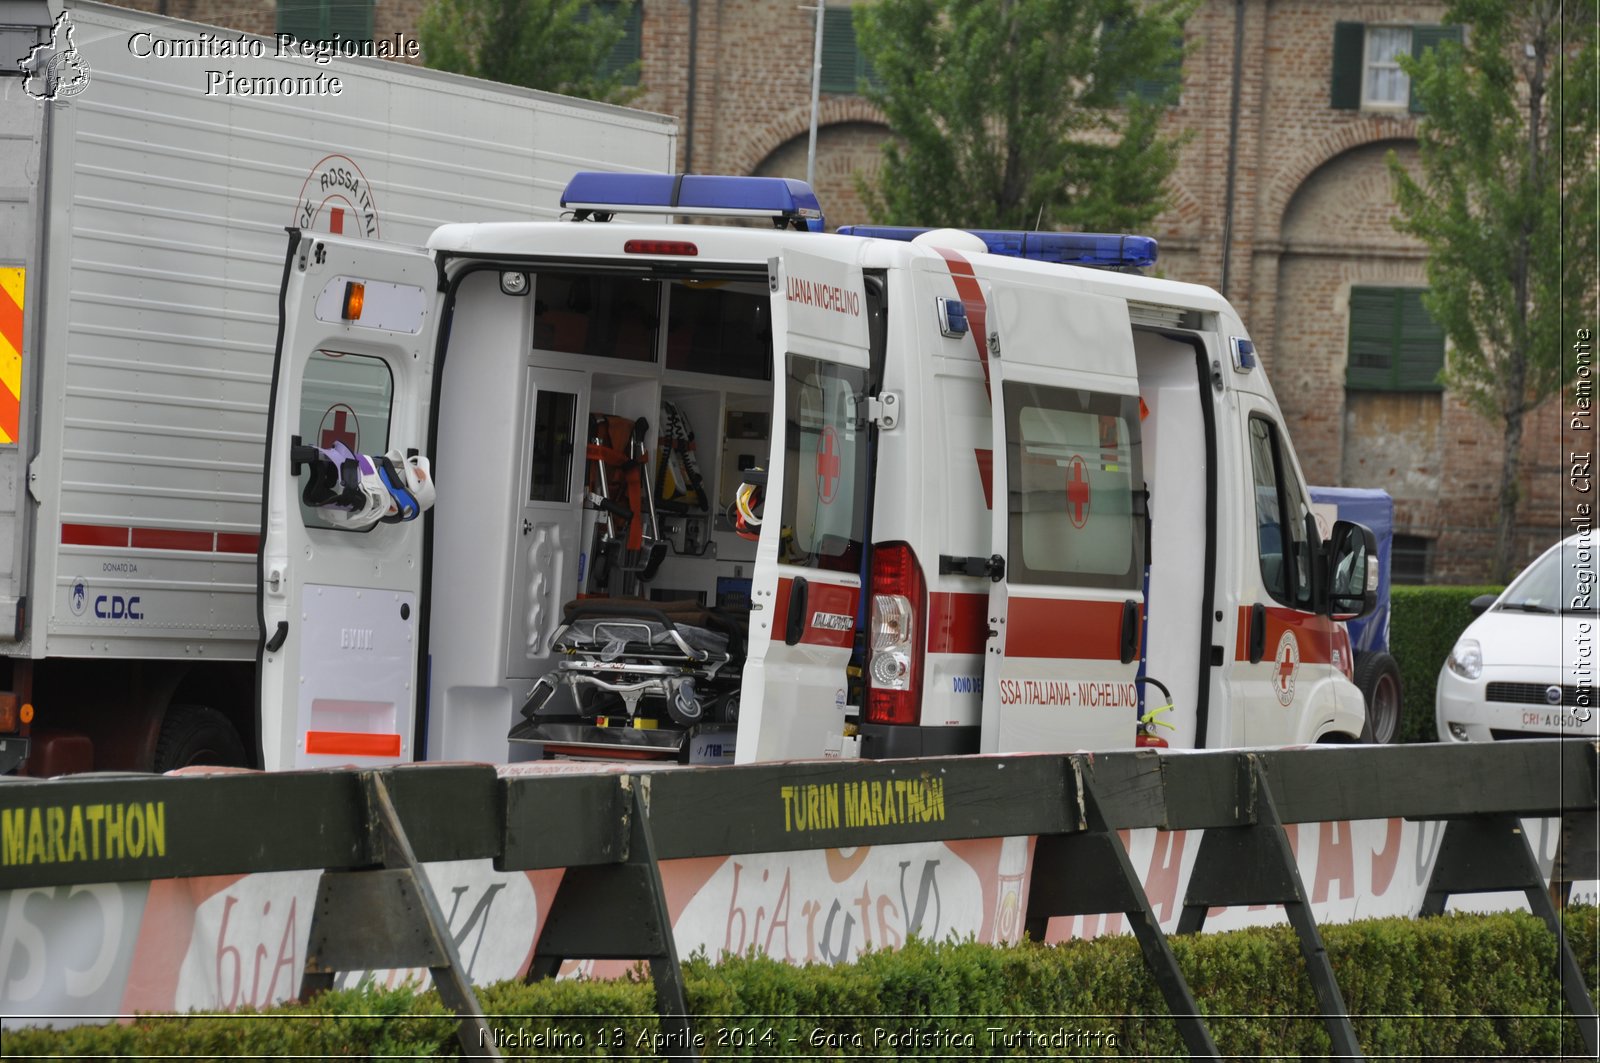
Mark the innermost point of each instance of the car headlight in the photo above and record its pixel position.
(1466, 660)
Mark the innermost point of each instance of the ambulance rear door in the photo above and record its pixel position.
(339, 607)
(1066, 603)
(806, 590)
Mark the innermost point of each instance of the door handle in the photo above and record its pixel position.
(794, 625)
(1130, 631)
(1258, 632)
(275, 643)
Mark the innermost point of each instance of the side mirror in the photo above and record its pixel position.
(1352, 579)
(1481, 603)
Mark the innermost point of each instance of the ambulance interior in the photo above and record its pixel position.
(641, 404)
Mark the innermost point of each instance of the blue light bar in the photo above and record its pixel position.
(1106, 250)
(600, 195)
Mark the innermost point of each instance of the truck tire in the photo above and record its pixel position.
(1378, 678)
(194, 734)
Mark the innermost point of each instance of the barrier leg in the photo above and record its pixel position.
(1089, 873)
(619, 912)
(1490, 854)
(389, 918)
(1254, 865)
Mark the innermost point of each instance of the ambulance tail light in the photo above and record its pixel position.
(897, 621)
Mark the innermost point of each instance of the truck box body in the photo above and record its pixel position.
(143, 222)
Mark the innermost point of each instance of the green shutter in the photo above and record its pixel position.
(318, 20)
(840, 57)
(1372, 323)
(629, 47)
(1424, 38)
(1163, 85)
(1420, 351)
(1349, 60)
(302, 19)
(350, 19)
(1395, 345)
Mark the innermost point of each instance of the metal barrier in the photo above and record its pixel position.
(369, 832)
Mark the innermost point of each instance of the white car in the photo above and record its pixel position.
(1525, 668)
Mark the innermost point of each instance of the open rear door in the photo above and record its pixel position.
(1068, 521)
(339, 603)
(806, 591)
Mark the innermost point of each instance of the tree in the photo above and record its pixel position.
(556, 45)
(1505, 204)
(1021, 114)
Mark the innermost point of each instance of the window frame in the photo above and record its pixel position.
(1020, 395)
(1350, 66)
(798, 370)
(1368, 65)
(1299, 588)
(334, 388)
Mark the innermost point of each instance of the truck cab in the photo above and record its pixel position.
(749, 492)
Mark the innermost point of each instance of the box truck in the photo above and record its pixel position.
(148, 170)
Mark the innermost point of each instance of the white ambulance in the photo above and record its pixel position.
(718, 492)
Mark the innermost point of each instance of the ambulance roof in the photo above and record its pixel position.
(740, 247)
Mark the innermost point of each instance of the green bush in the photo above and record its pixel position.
(1454, 987)
(1424, 623)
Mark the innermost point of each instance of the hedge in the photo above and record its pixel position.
(1456, 986)
(1424, 623)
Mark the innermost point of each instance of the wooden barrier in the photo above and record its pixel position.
(369, 832)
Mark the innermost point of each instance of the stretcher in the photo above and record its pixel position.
(642, 676)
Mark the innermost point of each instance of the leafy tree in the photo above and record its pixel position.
(1021, 113)
(556, 45)
(1505, 204)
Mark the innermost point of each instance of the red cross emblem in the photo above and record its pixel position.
(828, 465)
(1078, 493)
(1285, 661)
(336, 220)
(345, 428)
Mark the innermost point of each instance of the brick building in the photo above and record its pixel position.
(1293, 106)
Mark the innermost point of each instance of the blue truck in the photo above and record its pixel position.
(1376, 672)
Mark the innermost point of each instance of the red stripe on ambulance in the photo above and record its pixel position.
(1065, 629)
(972, 299)
(835, 604)
(957, 623)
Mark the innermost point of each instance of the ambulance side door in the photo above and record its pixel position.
(806, 590)
(338, 664)
(1065, 618)
(1282, 663)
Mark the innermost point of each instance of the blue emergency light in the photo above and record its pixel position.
(1105, 250)
(787, 202)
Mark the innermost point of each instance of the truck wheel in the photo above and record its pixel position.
(194, 734)
(1378, 677)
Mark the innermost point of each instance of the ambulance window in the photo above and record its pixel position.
(345, 398)
(720, 327)
(554, 420)
(609, 317)
(1073, 465)
(1280, 518)
(825, 465)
